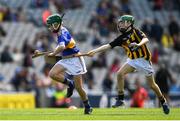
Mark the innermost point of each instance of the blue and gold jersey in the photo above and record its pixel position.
(66, 39)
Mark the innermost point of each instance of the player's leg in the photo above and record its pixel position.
(57, 74)
(155, 88)
(126, 68)
(166, 95)
(79, 87)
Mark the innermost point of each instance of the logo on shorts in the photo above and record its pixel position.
(150, 73)
(78, 71)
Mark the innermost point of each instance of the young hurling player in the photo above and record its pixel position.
(66, 46)
(139, 58)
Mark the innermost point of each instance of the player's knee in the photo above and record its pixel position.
(53, 74)
(120, 74)
(79, 88)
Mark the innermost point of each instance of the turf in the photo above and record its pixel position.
(98, 114)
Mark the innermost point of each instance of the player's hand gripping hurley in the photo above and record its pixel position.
(39, 53)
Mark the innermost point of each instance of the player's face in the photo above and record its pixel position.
(50, 27)
(54, 27)
(123, 25)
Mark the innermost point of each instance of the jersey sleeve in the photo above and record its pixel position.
(61, 40)
(116, 42)
(64, 38)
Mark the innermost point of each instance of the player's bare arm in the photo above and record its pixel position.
(135, 45)
(99, 49)
(57, 50)
(144, 41)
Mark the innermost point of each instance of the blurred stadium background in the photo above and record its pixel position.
(24, 82)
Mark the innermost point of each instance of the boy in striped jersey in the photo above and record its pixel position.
(139, 58)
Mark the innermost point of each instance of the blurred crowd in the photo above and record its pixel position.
(165, 4)
(164, 41)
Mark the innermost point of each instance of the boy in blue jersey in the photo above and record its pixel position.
(74, 66)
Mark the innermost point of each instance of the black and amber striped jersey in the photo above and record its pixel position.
(124, 40)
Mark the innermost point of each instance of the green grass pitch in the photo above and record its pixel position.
(98, 114)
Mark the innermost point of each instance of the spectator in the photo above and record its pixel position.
(22, 15)
(107, 83)
(59, 97)
(125, 6)
(112, 20)
(96, 40)
(17, 56)
(1, 77)
(75, 4)
(102, 9)
(177, 42)
(14, 15)
(25, 46)
(1, 82)
(27, 61)
(89, 77)
(157, 31)
(46, 80)
(2, 32)
(128, 87)
(167, 40)
(35, 84)
(158, 4)
(103, 30)
(41, 42)
(147, 26)
(39, 4)
(163, 77)
(100, 61)
(6, 55)
(45, 15)
(139, 96)
(45, 88)
(115, 66)
(93, 21)
(20, 81)
(173, 26)
(7, 14)
(172, 5)
(155, 54)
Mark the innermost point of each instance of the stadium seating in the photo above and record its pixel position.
(77, 20)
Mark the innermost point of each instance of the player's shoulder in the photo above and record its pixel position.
(64, 34)
(64, 30)
(139, 32)
(137, 29)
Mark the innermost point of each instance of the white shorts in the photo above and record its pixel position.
(140, 64)
(73, 66)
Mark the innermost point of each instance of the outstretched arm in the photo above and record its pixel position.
(99, 49)
(111, 45)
